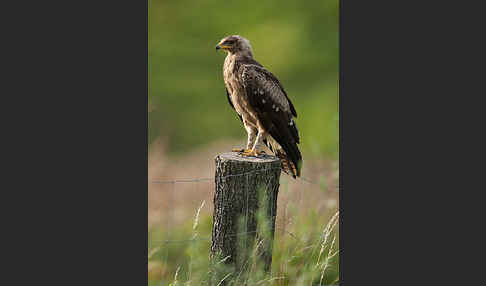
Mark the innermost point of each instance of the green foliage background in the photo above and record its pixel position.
(296, 40)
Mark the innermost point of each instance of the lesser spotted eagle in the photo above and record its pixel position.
(262, 105)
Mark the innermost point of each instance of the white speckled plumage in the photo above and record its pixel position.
(248, 84)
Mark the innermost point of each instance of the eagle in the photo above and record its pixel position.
(262, 105)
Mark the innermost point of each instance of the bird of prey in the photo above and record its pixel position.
(261, 104)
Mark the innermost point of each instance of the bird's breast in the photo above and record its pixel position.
(237, 91)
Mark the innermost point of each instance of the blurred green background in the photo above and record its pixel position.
(295, 40)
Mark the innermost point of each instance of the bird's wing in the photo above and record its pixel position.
(275, 111)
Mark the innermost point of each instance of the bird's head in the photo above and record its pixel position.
(235, 44)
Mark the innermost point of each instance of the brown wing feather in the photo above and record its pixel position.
(252, 63)
(274, 110)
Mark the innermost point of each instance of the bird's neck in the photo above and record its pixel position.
(241, 54)
(229, 59)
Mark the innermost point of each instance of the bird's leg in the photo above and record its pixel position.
(251, 138)
(254, 150)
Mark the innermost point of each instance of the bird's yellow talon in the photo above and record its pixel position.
(247, 153)
(237, 150)
(251, 153)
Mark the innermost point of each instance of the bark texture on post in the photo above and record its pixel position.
(245, 207)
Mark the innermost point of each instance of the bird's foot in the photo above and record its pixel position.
(238, 150)
(252, 153)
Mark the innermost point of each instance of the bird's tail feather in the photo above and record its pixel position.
(291, 163)
(287, 166)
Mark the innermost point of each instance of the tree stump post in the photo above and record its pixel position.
(245, 207)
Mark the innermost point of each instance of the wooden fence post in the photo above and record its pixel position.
(245, 207)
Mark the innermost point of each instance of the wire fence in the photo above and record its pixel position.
(207, 179)
(177, 187)
(172, 190)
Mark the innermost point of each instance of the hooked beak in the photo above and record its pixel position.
(221, 46)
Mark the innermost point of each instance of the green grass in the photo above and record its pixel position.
(306, 253)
